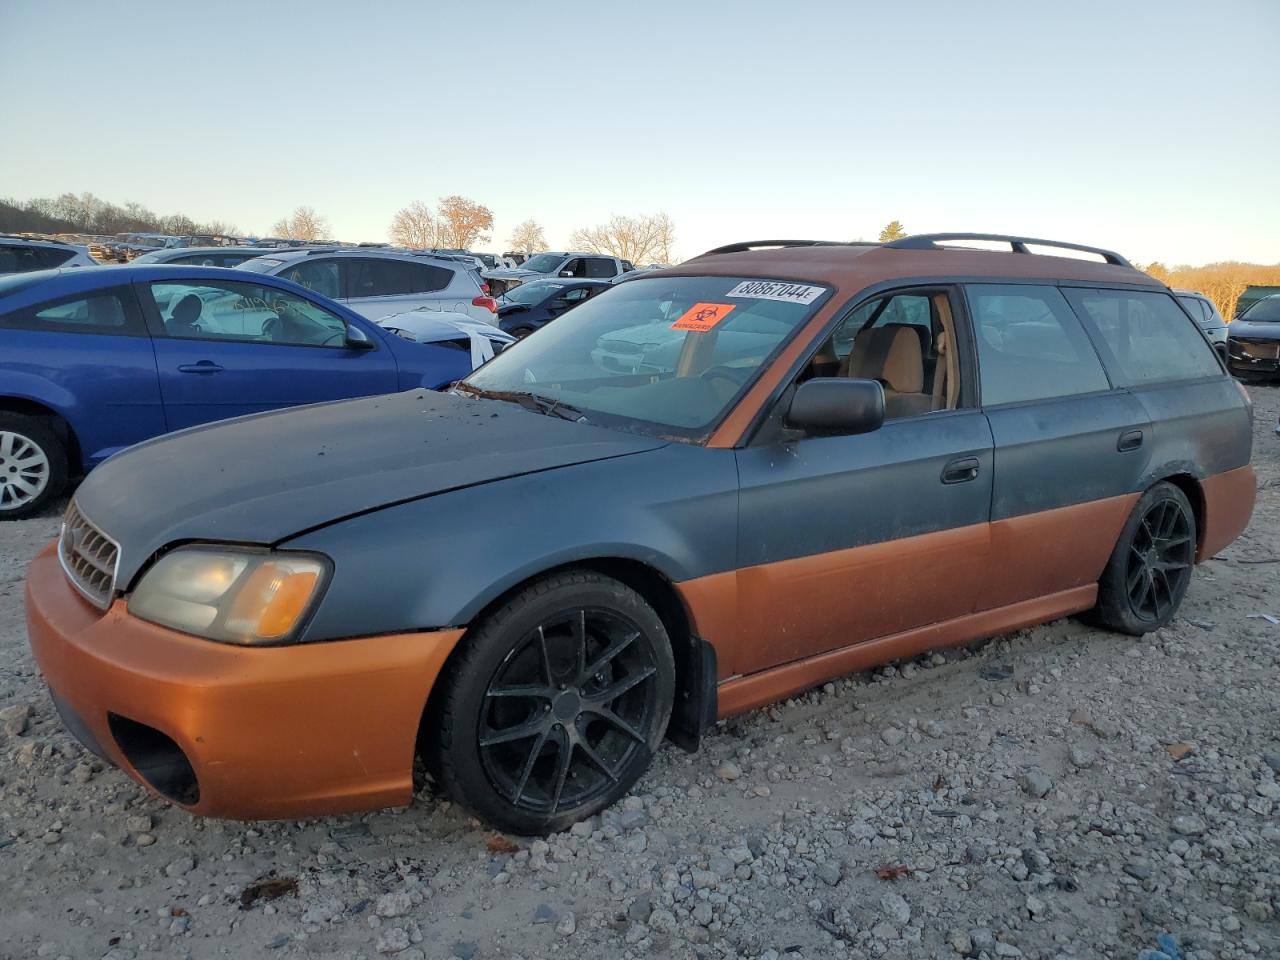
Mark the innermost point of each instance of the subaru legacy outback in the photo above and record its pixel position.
(823, 457)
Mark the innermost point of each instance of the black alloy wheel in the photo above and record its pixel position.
(1160, 557)
(1150, 568)
(563, 715)
(553, 705)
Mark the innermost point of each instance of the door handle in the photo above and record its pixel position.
(1129, 440)
(204, 366)
(960, 471)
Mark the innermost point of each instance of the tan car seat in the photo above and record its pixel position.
(893, 356)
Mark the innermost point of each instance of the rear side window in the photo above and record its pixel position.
(1195, 307)
(1148, 337)
(318, 275)
(1030, 345)
(390, 278)
(23, 259)
(599, 268)
(103, 311)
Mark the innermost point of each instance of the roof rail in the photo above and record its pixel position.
(764, 244)
(930, 241)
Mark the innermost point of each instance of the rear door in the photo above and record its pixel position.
(1070, 448)
(89, 357)
(228, 348)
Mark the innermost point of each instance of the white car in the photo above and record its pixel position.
(378, 283)
(24, 254)
(434, 326)
(580, 266)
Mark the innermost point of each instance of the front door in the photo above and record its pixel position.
(227, 348)
(847, 539)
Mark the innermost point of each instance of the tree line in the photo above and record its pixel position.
(1220, 282)
(86, 213)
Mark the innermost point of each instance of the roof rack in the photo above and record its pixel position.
(764, 244)
(930, 241)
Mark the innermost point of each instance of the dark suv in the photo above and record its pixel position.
(825, 457)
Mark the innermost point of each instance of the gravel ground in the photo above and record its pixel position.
(1060, 792)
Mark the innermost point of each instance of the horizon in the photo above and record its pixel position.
(1021, 121)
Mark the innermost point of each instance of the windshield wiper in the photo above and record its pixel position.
(530, 401)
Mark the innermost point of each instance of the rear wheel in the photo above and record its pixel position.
(33, 465)
(555, 707)
(1150, 568)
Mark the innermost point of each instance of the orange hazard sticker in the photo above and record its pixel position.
(701, 317)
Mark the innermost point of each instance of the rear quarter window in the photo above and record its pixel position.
(102, 311)
(1148, 338)
(23, 259)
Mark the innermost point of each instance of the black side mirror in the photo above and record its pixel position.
(357, 340)
(837, 405)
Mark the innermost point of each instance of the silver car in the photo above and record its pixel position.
(377, 283)
(1206, 315)
(25, 254)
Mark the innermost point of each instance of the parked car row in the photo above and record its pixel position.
(813, 459)
(93, 361)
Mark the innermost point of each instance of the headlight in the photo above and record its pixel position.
(234, 596)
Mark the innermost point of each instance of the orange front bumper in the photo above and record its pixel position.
(293, 731)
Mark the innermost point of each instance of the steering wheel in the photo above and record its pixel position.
(270, 328)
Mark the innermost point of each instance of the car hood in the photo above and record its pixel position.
(1255, 329)
(429, 326)
(264, 478)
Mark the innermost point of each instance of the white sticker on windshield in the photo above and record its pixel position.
(776, 290)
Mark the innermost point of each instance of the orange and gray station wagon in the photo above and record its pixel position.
(705, 489)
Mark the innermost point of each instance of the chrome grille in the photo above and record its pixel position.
(89, 557)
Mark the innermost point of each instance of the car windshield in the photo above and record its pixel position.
(667, 356)
(543, 263)
(1266, 310)
(260, 264)
(532, 293)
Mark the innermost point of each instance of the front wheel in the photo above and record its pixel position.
(33, 465)
(1150, 569)
(556, 705)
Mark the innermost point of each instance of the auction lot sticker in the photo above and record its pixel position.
(701, 317)
(777, 290)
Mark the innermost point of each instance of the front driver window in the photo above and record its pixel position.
(903, 341)
(246, 312)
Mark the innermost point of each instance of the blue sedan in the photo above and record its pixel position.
(531, 306)
(93, 361)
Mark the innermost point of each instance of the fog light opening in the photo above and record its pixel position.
(158, 760)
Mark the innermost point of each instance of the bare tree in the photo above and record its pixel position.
(528, 237)
(643, 239)
(414, 226)
(303, 224)
(893, 231)
(462, 222)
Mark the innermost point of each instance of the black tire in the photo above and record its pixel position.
(19, 435)
(1150, 568)
(533, 706)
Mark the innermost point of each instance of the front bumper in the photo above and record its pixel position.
(263, 733)
(1245, 356)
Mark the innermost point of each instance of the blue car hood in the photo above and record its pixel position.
(264, 478)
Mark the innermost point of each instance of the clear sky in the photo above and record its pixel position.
(1150, 126)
